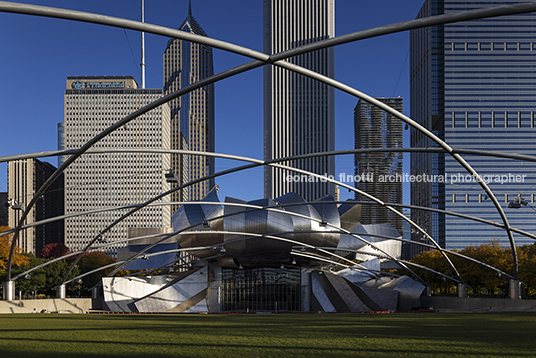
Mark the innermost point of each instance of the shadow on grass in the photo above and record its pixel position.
(312, 335)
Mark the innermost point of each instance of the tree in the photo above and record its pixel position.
(45, 278)
(482, 279)
(434, 260)
(54, 250)
(91, 261)
(5, 247)
(527, 268)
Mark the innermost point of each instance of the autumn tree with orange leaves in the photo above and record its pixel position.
(482, 280)
(5, 246)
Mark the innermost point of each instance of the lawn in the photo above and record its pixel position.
(263, 335)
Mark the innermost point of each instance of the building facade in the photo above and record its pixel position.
(379, 173)
(298, 111)
(113, 179)
(472, 84)
(3, 209)
(192, 115)
(25, 178)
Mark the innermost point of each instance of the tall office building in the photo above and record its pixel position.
(192, 115)
(114, 179)
(61, 143)
(3, 209)
(25, 178)
(472, 84)
(298, 111)
(379, 173)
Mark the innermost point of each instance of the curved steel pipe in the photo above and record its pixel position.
(86, 17)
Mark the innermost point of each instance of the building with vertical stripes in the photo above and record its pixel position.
(379, 173)
(298, 111)
(192, 115)
(473, 85)
(25, 178)
(95, 182)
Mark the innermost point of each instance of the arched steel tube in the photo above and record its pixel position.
(476, 152)
(81, 16)
(296, 204)
(10, 7)
(427, 133)
(468, 258)
(406, 206)
(183, 231)
(109, 130)
(396, 212)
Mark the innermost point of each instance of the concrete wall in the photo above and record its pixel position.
(456, 304)
(56, 305)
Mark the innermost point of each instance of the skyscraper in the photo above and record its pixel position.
(192, 115)
(25, 177)
(472, 84)
(298, 111)
(379, 173)
(108, 180)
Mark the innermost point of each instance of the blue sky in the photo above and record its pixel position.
(39, 53)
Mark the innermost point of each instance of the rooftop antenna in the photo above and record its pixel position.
(142, 47)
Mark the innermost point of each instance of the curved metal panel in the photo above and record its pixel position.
(258, 251)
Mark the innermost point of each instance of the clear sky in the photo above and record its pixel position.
(37, 55)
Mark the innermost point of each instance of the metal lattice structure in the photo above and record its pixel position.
(279, 60)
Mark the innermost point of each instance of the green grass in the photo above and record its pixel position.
(298, 335)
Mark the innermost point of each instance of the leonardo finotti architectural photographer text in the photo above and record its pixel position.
(408, 178)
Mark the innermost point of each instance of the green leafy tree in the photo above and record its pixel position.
(481, 278)
(91, 261)
(527, 268)
(42, 280)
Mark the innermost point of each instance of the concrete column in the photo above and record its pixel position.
(428, 291)
(515, 289)
(462, 290)
(60, 291)
(306, 289)
(95, 293)
(9, 290)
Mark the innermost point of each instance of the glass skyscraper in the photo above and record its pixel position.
(299, 115)
(192, 115)
(473, 85)
(375, 128)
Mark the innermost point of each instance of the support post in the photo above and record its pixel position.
(60, 291)
(462, 290)
(9, 290)
(515, 289)
(95, 293)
